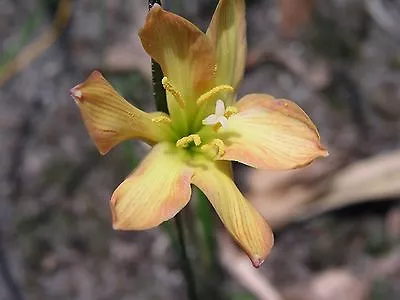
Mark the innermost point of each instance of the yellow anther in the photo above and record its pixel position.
(230, 111)
(185, 141)
(170, 88)
(213, 92)
(196, 139)
(215, 144)
(161, 119)
(220, 145)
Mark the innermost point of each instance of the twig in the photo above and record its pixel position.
(15, 181)
(385, 16)
(9, 281)
(239, 267)
(39, 45)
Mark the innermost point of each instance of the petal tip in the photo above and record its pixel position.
(76, 93)
(95, 75)
(155, 7)
(323, 151)
(257, 262)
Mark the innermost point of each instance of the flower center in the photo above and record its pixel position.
(221, 115)
(186, 140)
(168, 86)
(214, 149)
(205, 140)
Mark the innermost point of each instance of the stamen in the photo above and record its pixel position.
(185, 141)
(213, 92)
(161, 119)
(217, 144)
(230, 111)
(170, 88)
(221, 147)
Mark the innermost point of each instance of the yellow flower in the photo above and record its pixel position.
(205, 129)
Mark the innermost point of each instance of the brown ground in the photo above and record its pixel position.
(342, 68)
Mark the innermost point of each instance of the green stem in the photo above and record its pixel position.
(161, 104)
(157, 75)
(158, 89)
(186, 268)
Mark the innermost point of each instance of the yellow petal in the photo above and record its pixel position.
(184, 52)
(154, 192)
(227, 31)
(244, 223)
(271, 133)
(110, 119)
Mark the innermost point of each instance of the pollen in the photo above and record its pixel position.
(185, 141)
(161, 119)
(215, 145)
(174, 92)
(230, 111)
(211, 93)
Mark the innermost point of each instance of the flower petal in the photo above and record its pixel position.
(271, 134)
(184, 53)
(244, 223)
(157, 190)
(227, 31)
(109, 118)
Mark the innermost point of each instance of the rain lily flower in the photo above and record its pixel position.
(205, 130)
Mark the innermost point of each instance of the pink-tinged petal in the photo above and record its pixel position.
(184, 53)
(109, 118)
(157, 190)
(243, 222)
(227, 31)
(271, 133)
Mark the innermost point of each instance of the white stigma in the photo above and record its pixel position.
(218, 116)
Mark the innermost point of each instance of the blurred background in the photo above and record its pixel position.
(337, 221)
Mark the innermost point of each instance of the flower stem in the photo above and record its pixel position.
(157, 75)
(161, 104)
(186, 268)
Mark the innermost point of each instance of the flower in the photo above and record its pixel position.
(205, 130)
